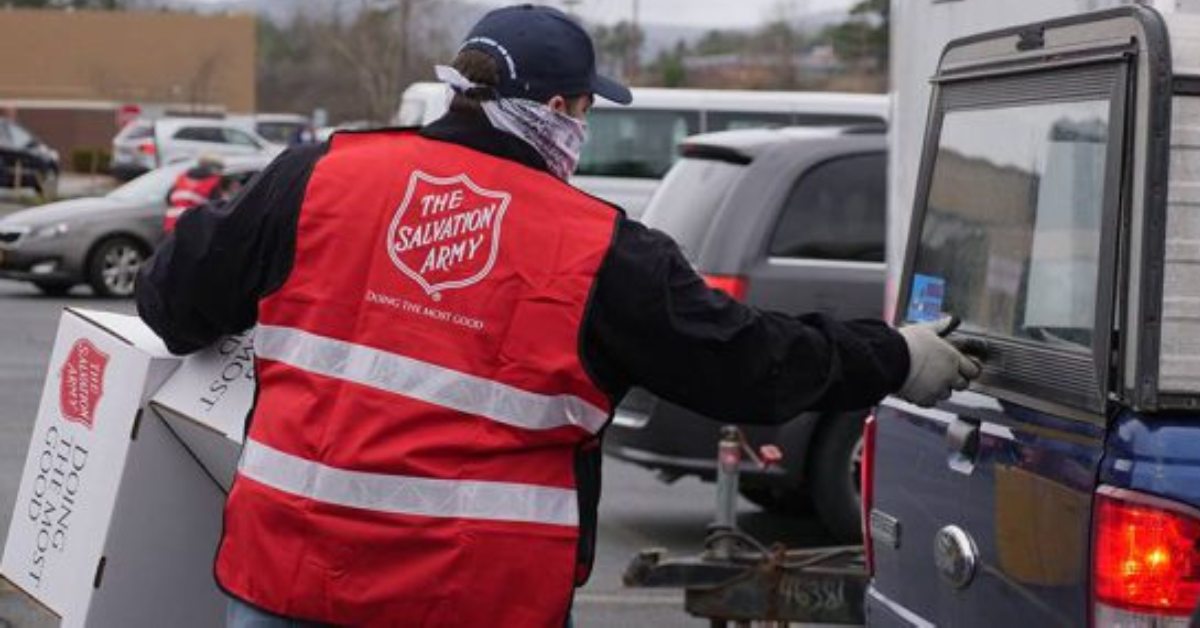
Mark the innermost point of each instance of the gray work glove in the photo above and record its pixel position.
(935, 366)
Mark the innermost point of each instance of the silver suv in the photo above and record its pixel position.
(143, 144)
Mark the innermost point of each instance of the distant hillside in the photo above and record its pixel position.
(661, 37)
(458, 14)
(455, 18)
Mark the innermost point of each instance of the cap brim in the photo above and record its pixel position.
(609, 89)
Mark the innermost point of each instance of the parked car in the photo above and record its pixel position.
(324, 133)
(631, 147)
(789, 220)
(135, 150)
(1055, 213)
(22, 152)
(144, 144)
(282, 129)
(100, 241)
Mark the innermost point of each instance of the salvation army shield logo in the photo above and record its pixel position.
(81, 382)
(446, 232)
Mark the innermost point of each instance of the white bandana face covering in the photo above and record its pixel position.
(557, 137)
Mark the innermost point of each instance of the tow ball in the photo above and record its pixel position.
(738, 580)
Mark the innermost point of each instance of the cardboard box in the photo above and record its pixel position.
(209, 395)
(118, 513)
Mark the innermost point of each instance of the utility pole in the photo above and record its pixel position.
(633, 60)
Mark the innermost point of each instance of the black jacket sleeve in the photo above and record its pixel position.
(206, 278)
(654, 323)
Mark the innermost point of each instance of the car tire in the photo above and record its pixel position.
(47, 184)
(781, 500)
(113, 266)
(53, 288)
(835, 459)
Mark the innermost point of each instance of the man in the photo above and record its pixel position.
(444, 326)
(194, 187)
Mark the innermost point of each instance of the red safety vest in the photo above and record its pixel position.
(422, 402)
(188, 192)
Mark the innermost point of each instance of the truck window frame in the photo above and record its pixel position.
(1044, 382)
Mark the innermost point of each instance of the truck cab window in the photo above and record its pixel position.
(1011, 236)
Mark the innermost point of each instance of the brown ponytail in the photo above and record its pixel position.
(477, 67)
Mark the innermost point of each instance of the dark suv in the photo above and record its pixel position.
(26, 161)
(791, 220)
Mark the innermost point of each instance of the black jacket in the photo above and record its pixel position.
(652, 322)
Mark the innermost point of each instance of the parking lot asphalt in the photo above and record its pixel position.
(637, 511)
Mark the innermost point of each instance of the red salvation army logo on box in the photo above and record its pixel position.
(82, 382)
(446, 232)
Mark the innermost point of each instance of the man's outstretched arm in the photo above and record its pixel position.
(654, 323)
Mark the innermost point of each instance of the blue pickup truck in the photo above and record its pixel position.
(1057, 213)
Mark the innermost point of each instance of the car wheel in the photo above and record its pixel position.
(835, 462)
(53, 288)
(47, 184)
(113, 266)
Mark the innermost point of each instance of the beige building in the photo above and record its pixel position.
(65, 74)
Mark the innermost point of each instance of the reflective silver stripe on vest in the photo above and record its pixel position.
(179, 196)
(424, 381)
(398, 494)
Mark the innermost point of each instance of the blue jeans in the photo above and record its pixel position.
(241, 615)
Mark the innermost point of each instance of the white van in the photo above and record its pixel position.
(631, 147)
(281, 129)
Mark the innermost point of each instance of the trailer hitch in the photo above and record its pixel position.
(738, 579)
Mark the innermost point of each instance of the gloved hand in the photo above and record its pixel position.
(935, 366)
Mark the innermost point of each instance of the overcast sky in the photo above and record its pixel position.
(702, 13)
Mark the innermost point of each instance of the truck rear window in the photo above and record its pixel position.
(685, 203)
(1011, 236)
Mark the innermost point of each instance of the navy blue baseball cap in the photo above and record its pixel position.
(541, 53)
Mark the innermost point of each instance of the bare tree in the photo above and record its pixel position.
(618, 48)
(781, 40)
(383, 47)
(199, 91)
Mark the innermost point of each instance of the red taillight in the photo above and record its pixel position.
(147, 148)
(1144, 553)
(867, 488)
(732, 285)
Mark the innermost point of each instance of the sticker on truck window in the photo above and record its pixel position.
(925, 301)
